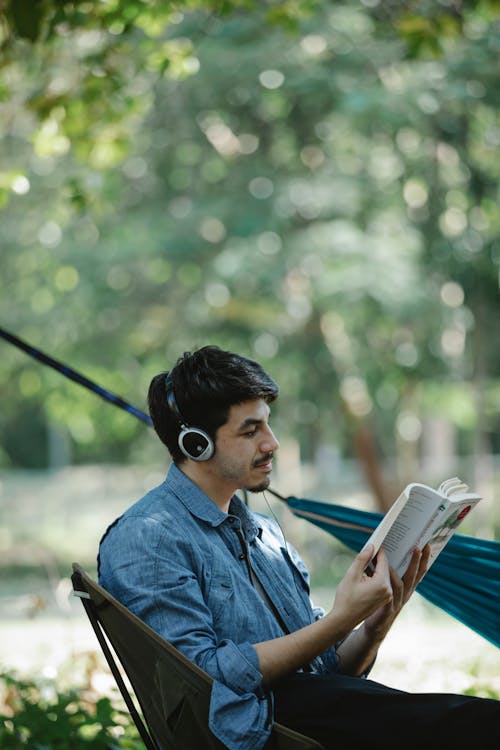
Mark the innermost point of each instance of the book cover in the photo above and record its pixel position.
(422, 515)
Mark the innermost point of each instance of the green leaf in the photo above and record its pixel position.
(27, 17)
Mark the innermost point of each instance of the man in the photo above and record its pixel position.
(222, 584)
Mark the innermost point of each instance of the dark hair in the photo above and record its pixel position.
(206, 383)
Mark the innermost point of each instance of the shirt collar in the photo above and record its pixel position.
(201, 506)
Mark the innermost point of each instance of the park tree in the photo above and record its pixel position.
(312, 184)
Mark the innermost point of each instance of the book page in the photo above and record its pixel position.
(408, 528)
(452, 487)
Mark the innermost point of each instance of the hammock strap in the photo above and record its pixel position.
(77, 377)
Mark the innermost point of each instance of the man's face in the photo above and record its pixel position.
(244, 447)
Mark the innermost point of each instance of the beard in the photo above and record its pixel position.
(263, 485)
(235, 470)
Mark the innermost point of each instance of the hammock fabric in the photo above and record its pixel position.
(464, 581)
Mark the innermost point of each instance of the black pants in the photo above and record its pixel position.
(344, 712)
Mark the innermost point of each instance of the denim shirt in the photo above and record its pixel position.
(185, 568)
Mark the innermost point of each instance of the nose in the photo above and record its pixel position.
(269, 443)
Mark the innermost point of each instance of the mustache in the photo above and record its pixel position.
(264, 460)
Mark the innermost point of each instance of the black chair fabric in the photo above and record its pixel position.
(172, 692)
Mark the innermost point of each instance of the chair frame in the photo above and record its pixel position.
(85, 588)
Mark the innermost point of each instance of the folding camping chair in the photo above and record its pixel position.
(173, 693)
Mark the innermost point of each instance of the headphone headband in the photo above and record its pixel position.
(171, 400)
(193, 442)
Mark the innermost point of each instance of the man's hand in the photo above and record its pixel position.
(358, 595)
(358, 651)
(377, 624)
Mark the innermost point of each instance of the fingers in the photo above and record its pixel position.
(380, 577)
(366, 553)
(412, 569)
(382, 569)
(401, 587)
(363, 558)
(397, 583)
(424, 563)
(415, 571)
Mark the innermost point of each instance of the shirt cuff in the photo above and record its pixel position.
(239, 667)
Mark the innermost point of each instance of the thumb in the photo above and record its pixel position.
(363, 558)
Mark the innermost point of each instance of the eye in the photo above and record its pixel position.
(250, 433)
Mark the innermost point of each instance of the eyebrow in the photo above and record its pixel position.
(252, 422)
(249, 422)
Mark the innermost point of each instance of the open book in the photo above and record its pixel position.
(420, 516)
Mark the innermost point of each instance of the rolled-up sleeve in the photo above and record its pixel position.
(238, 666)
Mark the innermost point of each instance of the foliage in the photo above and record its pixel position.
(321, 200)
(423, 27)
(428, 25)
(34, 716)
(75, 70)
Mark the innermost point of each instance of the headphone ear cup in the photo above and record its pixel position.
(196, 444)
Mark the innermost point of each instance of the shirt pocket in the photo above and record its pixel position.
(220, 590)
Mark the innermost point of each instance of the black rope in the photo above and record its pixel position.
(77, 377)
(277, 494)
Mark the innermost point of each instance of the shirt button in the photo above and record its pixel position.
(242, 556)
(230, 520)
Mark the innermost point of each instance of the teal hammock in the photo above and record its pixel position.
(464, 581)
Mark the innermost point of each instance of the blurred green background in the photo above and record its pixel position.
(312, 184)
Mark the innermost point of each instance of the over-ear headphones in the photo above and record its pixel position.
(194, 442)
